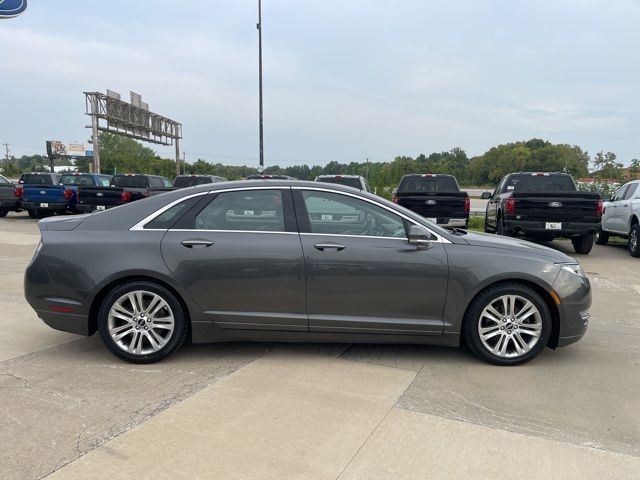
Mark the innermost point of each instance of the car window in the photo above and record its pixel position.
(353, 182)
(82, 180)
(336, 214)
(4, 181)
(428, 184)
(155, 182)
(166, 182)
(190, 181)
(631, 191)
(534, 183)
(169, 217)
(129, 181)
(619, 195)
(250, 210)
(105, 181)
(35, 179)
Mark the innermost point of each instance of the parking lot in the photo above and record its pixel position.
(319, 411)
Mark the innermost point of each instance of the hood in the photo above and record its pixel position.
(516, 245)
(62, 223)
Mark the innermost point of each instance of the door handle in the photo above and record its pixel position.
(197, 243)
(323, 246)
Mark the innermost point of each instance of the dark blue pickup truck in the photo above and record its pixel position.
(44, 194)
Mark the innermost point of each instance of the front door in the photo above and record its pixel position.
(613, 221)
(238, 254)
(362, 274)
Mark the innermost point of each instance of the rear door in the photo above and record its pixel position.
(238, 254)
(362, 274)
(614, 221)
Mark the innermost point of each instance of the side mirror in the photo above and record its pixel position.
(419, 236)
(486, 195)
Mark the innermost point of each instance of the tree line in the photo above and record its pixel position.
(123, 155)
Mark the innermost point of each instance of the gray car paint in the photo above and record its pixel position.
(253, 286)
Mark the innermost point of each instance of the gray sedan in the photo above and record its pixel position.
(298, 261)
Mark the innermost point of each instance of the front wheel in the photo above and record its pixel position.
(33, 214)
(583, 244)
(508, 324)
(3, 212)
(634, 244)
(142, 322)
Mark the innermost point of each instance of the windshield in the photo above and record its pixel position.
(182, 182)
(348, 181)
(84, 180)
(129, 181)
(425, 184)
(539, 183)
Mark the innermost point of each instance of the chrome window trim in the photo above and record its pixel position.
(439, 238)
(229, 231)
(404, 239)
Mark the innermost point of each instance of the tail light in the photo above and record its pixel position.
(126, 196)
(68, 194)
(467, 205)
(19, 191)
(599, 207)
(510, 206)
(395, 199)
(146, 194)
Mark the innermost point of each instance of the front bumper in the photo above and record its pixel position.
(51, 207)
(10, 204)
(536, 227)
(575, 295)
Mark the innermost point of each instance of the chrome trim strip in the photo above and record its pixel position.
(439, 238)
(229, 231)
(353, 236)
(139, 227)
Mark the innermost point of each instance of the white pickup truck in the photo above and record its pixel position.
(621, 217)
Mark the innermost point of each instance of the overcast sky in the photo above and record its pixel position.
(344, 80)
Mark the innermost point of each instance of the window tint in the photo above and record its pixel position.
(252, 210)
(155, 182)
(4, 181)
(348, 181)
(166, 219)
(129, 181)
(189, 181)
(425, 184)
(336, 214)
(33, 179)
(83, 180)
(619, 195)
(631, 191)
(539, 183)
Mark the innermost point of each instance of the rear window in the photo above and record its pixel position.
(33, 179)
(83, 180)
(348, 181)
(129, 181)
(424, 184)
(4, 181)
(183, 182)
(539, 183)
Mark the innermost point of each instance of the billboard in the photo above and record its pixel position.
(58, 149)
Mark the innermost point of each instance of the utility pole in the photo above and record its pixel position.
(259, 26)
(6, 158)
(95, 134)
(177, 156)
(184, 163)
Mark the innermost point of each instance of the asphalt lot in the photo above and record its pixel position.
(319, 411)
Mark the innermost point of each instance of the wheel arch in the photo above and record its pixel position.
(108, 287)
(536, 287)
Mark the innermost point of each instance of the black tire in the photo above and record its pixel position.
(602, 237)
(174, 339)
(3, 212)
(487, 229)
(473, 318)
(583, 244)
(33, 213)
(501, 230)
(634, 240)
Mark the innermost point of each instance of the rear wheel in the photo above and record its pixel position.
(3, 212)
(508, 324)
(602, 237)
(142, 322)
(634, 242)
(583, 244)
(501, 229)
(33, 213)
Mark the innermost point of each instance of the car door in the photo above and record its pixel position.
(613, 219)
(492, 206)
(625, 207)
(362, 274)
(238, 255)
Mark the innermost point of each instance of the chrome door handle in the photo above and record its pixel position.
(323, 246)
(197, 243)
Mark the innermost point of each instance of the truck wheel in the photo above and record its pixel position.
(33, 213)
(634, 242)
(501, 230)
(603, 237)
(3, 212)
(583, 244)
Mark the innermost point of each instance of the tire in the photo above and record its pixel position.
(138, 338)
(634, 240)
(33, 214)
(602, 237)
(486, 226)
(3, 212)
(500, 230)
(531, 334)
(583, 244)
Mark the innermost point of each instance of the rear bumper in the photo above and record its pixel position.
(10, 204)
(453, 222)
(568, 229)
(65, 322)
(52, 207)
(92, 208)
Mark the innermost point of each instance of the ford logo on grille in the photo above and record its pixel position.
(431, 202)
(42, 192)
(555, 204)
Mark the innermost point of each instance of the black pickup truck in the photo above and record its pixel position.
(436, 197)
(184, 181)
(544, 206)
(9, 197)
(122, 189)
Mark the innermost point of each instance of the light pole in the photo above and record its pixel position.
(259, 26)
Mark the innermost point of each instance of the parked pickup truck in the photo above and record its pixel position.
(436, 197)
(122, 189)
(544, 206)
(44, 200)
(354, 181)
(621, 217)
(41, 195)
(184, 181)
(9, 197)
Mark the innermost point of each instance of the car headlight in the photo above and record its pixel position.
(574, 268)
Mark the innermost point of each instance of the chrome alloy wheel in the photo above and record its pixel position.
(510, 326)
(141, 322)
